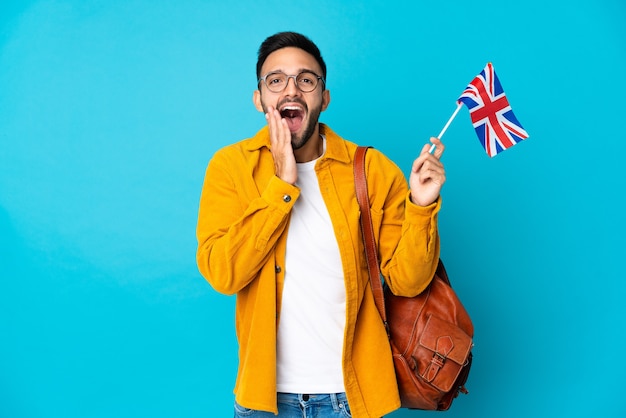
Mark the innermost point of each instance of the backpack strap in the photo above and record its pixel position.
(367, 229)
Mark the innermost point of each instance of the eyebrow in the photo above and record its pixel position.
(300, 70)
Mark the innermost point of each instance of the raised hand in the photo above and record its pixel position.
(282, 151)
(427, 174)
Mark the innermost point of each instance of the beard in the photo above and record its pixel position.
(298, 141)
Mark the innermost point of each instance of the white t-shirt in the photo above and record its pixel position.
(313, 311)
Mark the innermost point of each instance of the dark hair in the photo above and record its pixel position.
(284, 40)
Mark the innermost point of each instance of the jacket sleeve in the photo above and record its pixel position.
(408, 241)
(238, 225)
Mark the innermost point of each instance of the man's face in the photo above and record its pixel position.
(300, 110)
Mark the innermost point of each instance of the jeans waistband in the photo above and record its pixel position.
(309, 398)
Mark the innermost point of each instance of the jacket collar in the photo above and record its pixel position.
(335, 145)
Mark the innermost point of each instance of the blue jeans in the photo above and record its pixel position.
(297, 405)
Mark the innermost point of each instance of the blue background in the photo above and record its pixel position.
(110, 111)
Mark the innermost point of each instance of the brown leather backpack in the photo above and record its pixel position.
(430, 334)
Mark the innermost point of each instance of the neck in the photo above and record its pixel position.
(312, 149)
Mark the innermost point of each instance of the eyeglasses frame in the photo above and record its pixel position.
(295, 81)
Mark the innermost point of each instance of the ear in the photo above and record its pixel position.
(256, 99)
(325, 99)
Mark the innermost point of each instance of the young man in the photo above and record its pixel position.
(279, 227)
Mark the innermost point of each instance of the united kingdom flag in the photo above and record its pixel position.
(495, 124)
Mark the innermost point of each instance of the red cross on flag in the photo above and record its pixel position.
(493, 119)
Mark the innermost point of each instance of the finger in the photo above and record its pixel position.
(419, 161)
(436, 171)
(274, 123)
(270, 121)
(422, 157)
(439, 147)
(283, 134)
(282, 130)
(426, 166)
(425, 149)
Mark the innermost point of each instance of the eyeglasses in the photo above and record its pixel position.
(306, 81)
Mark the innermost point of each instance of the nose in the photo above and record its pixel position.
(291, 88)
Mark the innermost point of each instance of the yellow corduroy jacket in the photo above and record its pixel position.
(242, 231)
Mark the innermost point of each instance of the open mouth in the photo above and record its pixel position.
(294, 115)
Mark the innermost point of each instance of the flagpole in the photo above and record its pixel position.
(432, 147)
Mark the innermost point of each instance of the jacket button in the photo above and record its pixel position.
(278, 269)
(286, 198)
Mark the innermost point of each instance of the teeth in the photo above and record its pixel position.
(292, 108)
